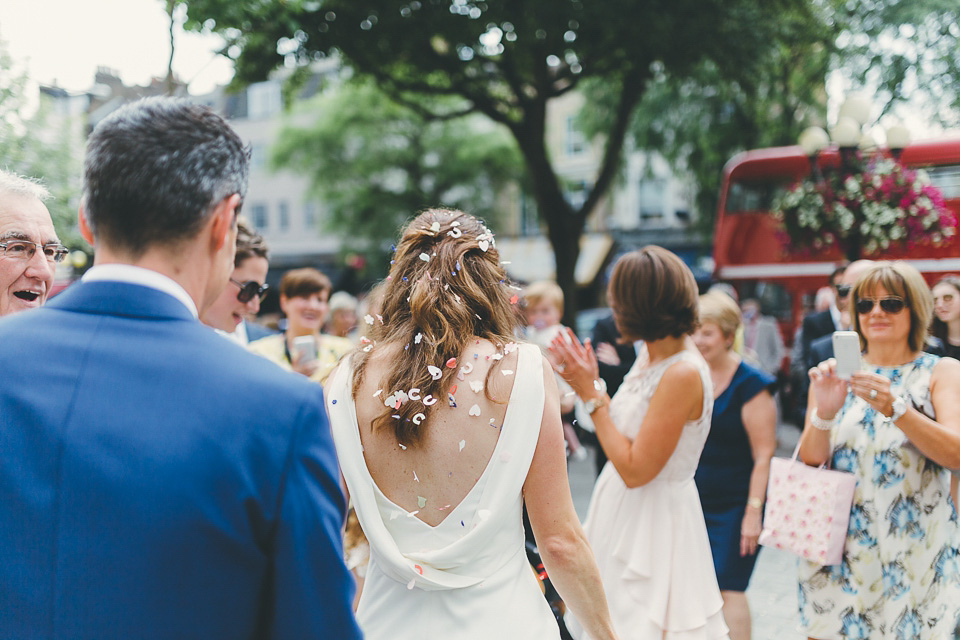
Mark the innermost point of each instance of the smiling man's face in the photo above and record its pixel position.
(24, 283)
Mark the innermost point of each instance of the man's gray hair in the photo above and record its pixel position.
(22, 186)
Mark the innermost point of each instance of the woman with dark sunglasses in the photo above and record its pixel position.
(895, 424)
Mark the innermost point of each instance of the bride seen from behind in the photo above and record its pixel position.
(444, 428)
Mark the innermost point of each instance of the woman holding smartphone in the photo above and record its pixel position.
(895, 424)
(302, 348)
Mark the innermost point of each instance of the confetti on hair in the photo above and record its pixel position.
(505, 262)
(515, 299)
(435, 372)
(452, 363)
(425, 257)
(380, 318)
(454, 233)
(484, 245)
(418, 338)
(510, 347)
(435, 227)
(417, 419)
(414, 393)
(429, 400)
(451, 401)
(453, 389)
(402, 446)
(368, 348)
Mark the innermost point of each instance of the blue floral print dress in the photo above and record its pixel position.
(899, 577)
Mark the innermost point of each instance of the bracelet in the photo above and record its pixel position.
(756, 503)
(823, 425)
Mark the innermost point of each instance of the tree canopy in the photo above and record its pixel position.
(374, 162)
(34, 145)
(507, 59)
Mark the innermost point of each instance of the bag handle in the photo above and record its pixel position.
(796, 451)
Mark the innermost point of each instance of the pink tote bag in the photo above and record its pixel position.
(807, 510)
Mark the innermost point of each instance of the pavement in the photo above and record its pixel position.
(772, 592)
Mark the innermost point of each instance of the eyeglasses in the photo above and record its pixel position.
(25, 250)
(250, 289)
(843, 290)
(887, 305)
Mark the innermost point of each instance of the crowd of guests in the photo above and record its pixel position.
(161, 480)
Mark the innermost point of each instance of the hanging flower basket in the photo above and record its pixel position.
(864, 211)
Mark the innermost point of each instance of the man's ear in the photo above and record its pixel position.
(224, 220)
(85, 230)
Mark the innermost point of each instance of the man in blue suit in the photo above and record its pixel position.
(158, 481)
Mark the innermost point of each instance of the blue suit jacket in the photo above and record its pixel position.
(158, 481)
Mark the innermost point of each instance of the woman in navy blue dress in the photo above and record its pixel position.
(735, 463)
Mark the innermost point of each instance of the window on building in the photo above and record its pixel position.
(264, 99)
(258, 216)
(652, 196)
(309, 215)
(258, 156)
(283, 216)
(574, 142)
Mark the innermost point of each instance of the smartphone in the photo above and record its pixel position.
(306, 348)
(846, 349)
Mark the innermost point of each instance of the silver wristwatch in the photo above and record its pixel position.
(899, 408)
(593, 404)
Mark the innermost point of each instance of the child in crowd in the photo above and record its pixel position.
(543, 308)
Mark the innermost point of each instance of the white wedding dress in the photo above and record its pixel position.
(468, 577)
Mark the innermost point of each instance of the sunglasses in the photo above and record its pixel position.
(843, 290)
(250, 289)
(887, 305)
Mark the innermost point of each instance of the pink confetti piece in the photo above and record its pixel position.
(452, 363)
(453, 389)
(515, 299)
(443, 508)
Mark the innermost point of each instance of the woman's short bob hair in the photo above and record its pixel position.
(898, 279)
(720, 309)
(653, 295)
(304, 283)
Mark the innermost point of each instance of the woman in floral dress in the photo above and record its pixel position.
(896, 425)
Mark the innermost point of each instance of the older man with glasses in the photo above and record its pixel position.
(241, 298)
(29, 248)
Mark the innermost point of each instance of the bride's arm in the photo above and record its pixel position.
(563, 546)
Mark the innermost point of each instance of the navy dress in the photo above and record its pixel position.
(723, 476)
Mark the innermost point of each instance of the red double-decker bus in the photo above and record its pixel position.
(749, 254)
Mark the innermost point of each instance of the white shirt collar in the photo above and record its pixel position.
(835, 314)
(144, 277)
(238, 335)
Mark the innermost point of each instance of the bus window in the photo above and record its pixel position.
(947, 179)
(775, 300)
(752, 196)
